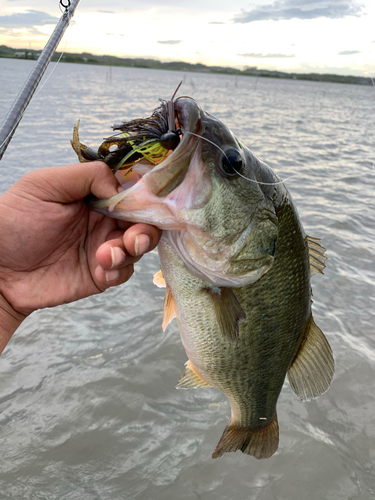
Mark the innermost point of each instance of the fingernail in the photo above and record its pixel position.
(141, 244)
(112, 275)
(118, 256)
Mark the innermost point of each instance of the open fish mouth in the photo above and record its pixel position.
(158, 179)
(149, 194)
(161, 172)
(169, 174)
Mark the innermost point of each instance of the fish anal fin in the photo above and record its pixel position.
(191, 379)
(316, 255)
(229, 312)
(311, 371)
(260, 443)
(159, 280)
(170, 311)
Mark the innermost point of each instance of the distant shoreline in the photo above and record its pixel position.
(87, 58)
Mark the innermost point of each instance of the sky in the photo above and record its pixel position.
(322, 36)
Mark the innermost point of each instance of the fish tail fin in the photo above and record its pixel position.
(260, 443)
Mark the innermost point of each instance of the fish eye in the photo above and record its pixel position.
(231, 163)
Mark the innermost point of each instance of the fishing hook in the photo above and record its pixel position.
(170, 139)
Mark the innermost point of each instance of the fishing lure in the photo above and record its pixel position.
(144, 138)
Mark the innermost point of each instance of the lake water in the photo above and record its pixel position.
(88, 403)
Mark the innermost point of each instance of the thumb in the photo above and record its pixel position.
(71, 182)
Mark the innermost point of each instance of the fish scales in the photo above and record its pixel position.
(284, 289)
(236, 264)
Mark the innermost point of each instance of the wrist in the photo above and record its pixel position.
(10, 320)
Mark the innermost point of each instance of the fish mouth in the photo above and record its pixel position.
(165, 177)
(153, 184)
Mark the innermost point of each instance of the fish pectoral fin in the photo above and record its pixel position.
(261, 442)
(229, 312)
(316, 255)
(191, 378)
(170, 311)
(311, 371)
(159, 280)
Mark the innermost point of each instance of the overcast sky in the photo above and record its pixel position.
(324, 36)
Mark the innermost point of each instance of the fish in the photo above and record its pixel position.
(236, 265)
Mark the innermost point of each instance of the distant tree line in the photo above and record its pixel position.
(106, 60)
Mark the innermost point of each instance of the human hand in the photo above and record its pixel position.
(54, 250)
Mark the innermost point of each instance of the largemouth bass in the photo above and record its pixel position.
(236, 264)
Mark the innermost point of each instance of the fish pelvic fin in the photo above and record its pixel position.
(191, 379)
(159, 280)
(316, 255)
(260, 443)
(170, 311)
(229, 312)
(311, 371)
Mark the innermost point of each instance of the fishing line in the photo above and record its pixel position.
(369, 172)
(36, 95)
(246, 178)
(53, 69)
(17, 110)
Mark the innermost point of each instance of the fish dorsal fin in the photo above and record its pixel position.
(159, 280)
(311, 371)
(170, 311)
(228, 311)
(191, 378)
(316, 255)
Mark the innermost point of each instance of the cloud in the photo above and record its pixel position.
(106, 11)
(27, 19)
(300, 9)
(348, 52)
(266, 56)
(216, 22)
(169, 42)
(21, 33)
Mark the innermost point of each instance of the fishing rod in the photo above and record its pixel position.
(23, 99)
